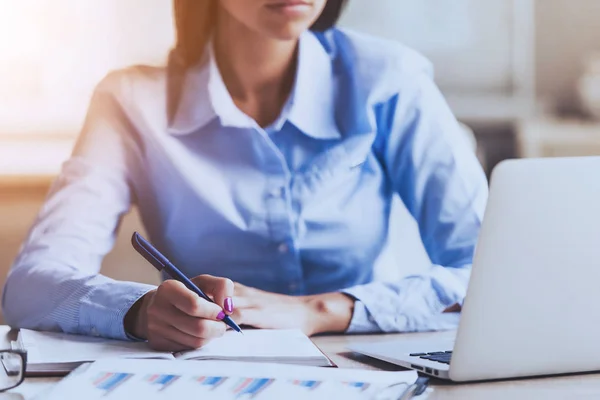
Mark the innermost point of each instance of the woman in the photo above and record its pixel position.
(266, 154)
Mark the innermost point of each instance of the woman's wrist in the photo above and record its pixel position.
(333, 312)
(135, 320)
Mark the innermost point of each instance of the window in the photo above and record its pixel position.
(53, 53)
(483, 51)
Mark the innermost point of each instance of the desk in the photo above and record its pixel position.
(571, 387)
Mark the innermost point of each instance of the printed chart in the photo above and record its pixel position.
(225, 388)
(127, 379)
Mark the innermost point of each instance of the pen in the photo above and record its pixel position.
(161, 263)
(416, 389)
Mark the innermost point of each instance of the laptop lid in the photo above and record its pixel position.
(533, 303)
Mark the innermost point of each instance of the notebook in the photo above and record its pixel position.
(110, 379)
(50, 353)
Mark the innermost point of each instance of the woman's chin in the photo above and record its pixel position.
(284, 31)
(287, 35)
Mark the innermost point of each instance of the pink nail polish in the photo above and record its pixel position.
(229, 305)
(220, 316)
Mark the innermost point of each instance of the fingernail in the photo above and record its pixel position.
(220, 316)
(229, 305)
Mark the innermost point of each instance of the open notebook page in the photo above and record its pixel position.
(283, 346)
(59, 348)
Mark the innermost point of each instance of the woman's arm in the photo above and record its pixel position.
(439, 179)
(54, 283)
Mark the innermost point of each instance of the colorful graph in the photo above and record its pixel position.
(226, 388)
(310, 385)
(109, 381)
(212, 382)
(251, 387)
(358, 385)
(161, 381)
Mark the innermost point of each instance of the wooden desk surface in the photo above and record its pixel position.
(566, 387)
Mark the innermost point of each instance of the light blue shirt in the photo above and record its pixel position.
(301, 207)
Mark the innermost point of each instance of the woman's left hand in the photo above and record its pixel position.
(331, 312)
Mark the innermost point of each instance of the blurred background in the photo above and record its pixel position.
(522, 75)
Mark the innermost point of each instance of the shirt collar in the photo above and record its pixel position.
(204, 96)
(312, 107)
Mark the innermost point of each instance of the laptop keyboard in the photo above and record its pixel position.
(437, 356)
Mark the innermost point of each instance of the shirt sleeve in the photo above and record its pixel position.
(433, 168)
(54, 284)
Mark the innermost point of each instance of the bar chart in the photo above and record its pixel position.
(250, 388)
(360, 386)
(211, 382)
(226, 388)
(161, 382)
(151, 379)
(107, 382)
(308, 385)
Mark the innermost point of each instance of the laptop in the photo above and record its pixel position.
(533, 303)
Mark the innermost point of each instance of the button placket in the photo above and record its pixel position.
(283, 248)
(278, 203)
(277, 192)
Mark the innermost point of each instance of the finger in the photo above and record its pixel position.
(198, 327)
(160, 332)
(221, 289)
(175, 293)
(240, 290)
(251, 317)
(454, 308)
(237, 316)
(245, 302)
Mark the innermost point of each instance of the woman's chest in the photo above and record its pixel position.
(262, 195)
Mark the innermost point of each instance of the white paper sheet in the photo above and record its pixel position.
(157, 379)
(281, 345)
(56, 348)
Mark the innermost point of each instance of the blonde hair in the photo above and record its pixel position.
(194, 21)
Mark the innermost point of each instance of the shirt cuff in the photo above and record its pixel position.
(102, 312)
(130, 336)
(408, 306)
(362, 321)
(378, 306)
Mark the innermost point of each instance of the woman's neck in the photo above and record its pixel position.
(257, 71)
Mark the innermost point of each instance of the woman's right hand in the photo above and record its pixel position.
(173, 318)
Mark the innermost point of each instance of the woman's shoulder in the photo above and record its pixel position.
(372, 60)
(139, 91)
(125, 82)
(137, 94)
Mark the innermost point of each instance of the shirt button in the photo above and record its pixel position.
(293, 286)
(277, 192)
(95, 332)
(283, 248)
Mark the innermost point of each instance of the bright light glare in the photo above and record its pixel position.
(19, 32)
(54, 52)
